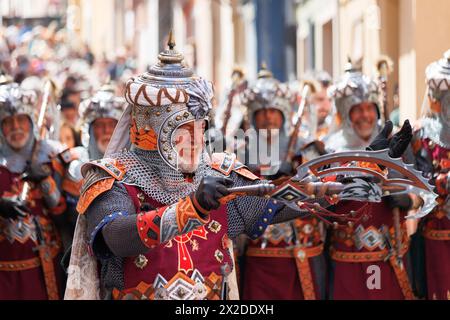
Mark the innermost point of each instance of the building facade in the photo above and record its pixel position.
(411, 32)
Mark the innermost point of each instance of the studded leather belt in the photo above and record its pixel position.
(434, 234)
(285, 252)
(346, 256)
(27, 264)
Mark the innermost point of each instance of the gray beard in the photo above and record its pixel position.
(16, 161)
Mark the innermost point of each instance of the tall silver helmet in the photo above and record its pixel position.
(268, 93)
(15, 100)
(166, 97)
(104, 104)
(438, 77)
(352, 89)
(436, 105)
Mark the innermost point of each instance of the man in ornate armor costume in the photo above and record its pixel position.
(31, 202)
(155, 216)
(286, 262)
(98, 117)
(371, 244)
(431, 148)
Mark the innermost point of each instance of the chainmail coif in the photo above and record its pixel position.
(148, 171)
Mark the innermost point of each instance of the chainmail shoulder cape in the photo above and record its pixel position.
(437, 131)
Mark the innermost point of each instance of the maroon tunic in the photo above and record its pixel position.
(275, 274)
(351, 279)
(178, 268)
(437, 249)
(21, 273)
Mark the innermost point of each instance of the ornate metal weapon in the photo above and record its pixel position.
(49, 92)
(384, 68)
(237, 88)
(294, 136)
(364, 183)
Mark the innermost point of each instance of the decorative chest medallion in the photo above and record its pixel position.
(141, 261)
(214, 226)
(218, 255)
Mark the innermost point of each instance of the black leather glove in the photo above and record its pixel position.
(381, 141)
(210, 190)
(400, 141)
(11, 207)
(36, 172)
(401, 201)
(397, 144)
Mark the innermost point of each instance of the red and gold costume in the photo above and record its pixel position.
(29, 265)
(355, 249)
(431, 148)
(286, 261)
(29, 242)
(365, 250)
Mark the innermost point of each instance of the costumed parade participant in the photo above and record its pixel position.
(152, 215)
(98, 117)
(378, 240)
(431, 148)
(286, 262)
(31, 202)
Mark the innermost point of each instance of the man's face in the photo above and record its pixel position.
(269, 119)
(17, 130)
(364, 119)
(323, 105)
(103, 129)
(189, 140)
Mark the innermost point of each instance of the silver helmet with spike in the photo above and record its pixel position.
(352, 89)
(15, 100)
(438, 77)
(104, 104)
(268, 93)
(166, 97)
(436, 106)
